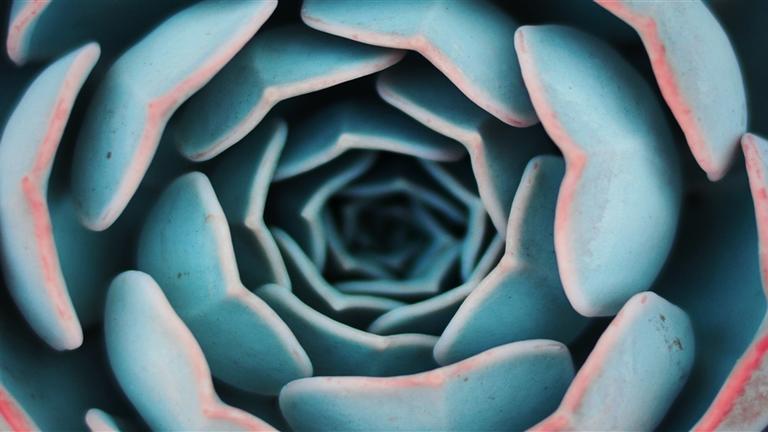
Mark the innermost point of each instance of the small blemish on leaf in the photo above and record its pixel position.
(678, 344)
(109, 155)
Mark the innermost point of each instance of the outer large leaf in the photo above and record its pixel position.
(186, 246)
(517, 384)
(337, 349)
(158, 363)
(634, 372)
(277, 64)
(141, 91)
(27, 151)
(619, 202)
(499, 153)
(479, 59)
(741, 402)
(697, 72)
(520, 297)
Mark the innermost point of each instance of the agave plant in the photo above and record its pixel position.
(384, 215)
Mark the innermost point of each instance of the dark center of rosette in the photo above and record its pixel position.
(371, 209)
(397, 230)
(394, 231)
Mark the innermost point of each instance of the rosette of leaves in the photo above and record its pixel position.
(382, 215)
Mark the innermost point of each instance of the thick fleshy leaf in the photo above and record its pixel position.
(44, 29)
(27, 150)
(426, 278)
(357, 125)
(520, 297)
(619, 202)
(480, 59)
(261, 406)
(498, 152)
(140, 92)
(79, 248)
(13, 416)
(159, 364)
(744, 23)
(634, 372)
(396, 184)
(277, 64)
(517, 383)
(23, 19)
(694, 64)
(430, 316)
(476, 219)
(714, 276)
(310, 286)
(755, 150)
(584, 15)
(299, 202)
(241, 179)
(186, 246)
(337, 349)
(405, 177)
(740, 403)
(45, 389)
(99, 421)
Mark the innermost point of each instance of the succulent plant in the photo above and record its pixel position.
(384, 215)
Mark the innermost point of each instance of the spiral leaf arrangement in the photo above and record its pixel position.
(384, 215)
